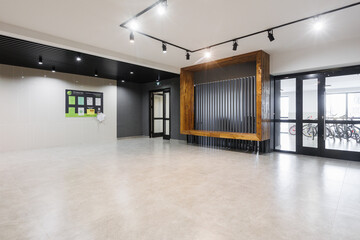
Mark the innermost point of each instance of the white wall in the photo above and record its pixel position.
(339, 54)
(33, 110)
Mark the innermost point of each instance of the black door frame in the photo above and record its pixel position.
(167, 137)
(321, 76)
(320, 115)
(151, 114)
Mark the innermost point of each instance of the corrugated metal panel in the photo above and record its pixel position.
(228, 106)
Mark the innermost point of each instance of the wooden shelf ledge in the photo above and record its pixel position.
(229, 135)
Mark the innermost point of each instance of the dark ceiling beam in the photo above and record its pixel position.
(24, 53)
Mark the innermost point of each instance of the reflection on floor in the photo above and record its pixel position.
(145, 188)
(343, 144)
(288, 143)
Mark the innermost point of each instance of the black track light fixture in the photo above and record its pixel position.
(187, 56)
(235, 45)
(164, 48)
(53, 69)
(96, 73)
(40, 60)
(162, 4)
(271, 35)
(132, 38)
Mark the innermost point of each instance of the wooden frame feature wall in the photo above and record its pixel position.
(262, 60)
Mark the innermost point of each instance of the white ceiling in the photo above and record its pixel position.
(92, 26)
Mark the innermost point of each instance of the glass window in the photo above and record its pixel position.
(286, 95)
(345, 137)
(158, 106)
(343, 97)
(284, 107)
(343, 103)
(167, 105)
(167, 127)
(158, 126)
(354, 106)
(285, 136)
(336, 106)
(310, 135)
(310, 99)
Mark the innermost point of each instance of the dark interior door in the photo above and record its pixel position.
(309, 114)
(160, 112)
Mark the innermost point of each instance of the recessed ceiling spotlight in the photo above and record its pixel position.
(78, 57)
(187, 56)
(157, 83)
(122, 81)
(53, 69)
(96, 73)
(132, 38)
(40, 60)
(207, 53)
(131, 73)
(235, 45)
(271, 35)
(318, 24)
(164, 48)
(162, 7)
(134, 25)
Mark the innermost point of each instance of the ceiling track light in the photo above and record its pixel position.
(187, 56)
(207, 53)
(96, 73)
(271, 35)
(78, 57)
(164, 48)
(134, 25)
(318, 24)
(53, 69)
(162, 7)
(235, 45)
(131, 25)
(40, 60)
(132, 37)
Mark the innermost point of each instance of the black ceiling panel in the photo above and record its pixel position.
(23, 53)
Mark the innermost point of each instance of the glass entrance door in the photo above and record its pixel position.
(318, 114)
(309, 114)
(342, 116)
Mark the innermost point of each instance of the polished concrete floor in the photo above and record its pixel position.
(288, 143)
(144, 188)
